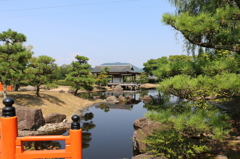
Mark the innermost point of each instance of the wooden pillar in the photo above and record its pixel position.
(9, 130)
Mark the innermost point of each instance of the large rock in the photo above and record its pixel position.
(55, 118)
(145, 128)
(28, 118)
(147, 99)
(28, 88)
(223, 156)
(112, 99)
(147, 156)
(140, 123)
(129, 98)
(121, 98)
(118, 89)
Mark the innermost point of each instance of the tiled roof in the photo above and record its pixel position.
(115, 68)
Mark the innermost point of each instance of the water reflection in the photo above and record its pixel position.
(107, 106)
(87, 124)
(108, 128)
(40, 145)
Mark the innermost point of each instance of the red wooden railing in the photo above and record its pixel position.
(9, 88)
(11, 146)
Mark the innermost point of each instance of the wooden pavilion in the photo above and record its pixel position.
(118, 73)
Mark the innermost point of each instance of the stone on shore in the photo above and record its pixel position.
(28, 118)
(55, 118)
(143, 128)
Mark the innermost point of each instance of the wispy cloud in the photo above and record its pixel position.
(60, 60)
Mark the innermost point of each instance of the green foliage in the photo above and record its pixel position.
(194, 122)
(143, 78)
(171, 144)
(202, 87)
(186, 133)
(103, 78)
(14, 57)
(219, 65)
(153, 64)
(51, 85)
(40, 70)
(61, 71)
(211, 24)
(63, 83)
(173, 65)
(80, 74)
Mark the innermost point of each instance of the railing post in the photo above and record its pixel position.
(9, 130)
(76, 138)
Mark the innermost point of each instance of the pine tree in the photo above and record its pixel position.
(13, 57)
(39, 71)
(80, 74)
(211, 24)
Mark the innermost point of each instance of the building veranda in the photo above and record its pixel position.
(118, 74)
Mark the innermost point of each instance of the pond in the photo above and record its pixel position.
(108, 128)
(109, 132)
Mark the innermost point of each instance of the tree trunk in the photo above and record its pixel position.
(16, 87)
(37, 91)
(4, 90)
(75, 93)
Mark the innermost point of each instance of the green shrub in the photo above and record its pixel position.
(63, 83)
(186, 133)
(171, 144)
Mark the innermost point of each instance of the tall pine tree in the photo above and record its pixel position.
(40, 70)
(13, 57)
(80, 74)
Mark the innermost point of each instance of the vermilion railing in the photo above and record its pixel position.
(11, 146)
(9, 88)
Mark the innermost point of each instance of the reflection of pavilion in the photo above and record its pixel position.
(114, 106)
(123, 93)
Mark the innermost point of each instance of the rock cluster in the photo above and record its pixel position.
(143, 128)
(48, 129)
(117, 88)
(122, 99)
(54, 118)
(31, 122)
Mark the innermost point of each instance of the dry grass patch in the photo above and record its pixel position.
(50, 102)
(149, 85)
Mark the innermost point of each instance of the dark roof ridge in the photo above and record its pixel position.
(114, 65)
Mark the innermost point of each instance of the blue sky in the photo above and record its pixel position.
(102, 30)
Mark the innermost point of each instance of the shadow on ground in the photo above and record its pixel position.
(23, 99)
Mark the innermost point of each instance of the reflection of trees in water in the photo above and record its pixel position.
(40, 145)
(90, 95)
(143, 92)
(105, 107)
(86, 138)
(87, 125)
(158, 102)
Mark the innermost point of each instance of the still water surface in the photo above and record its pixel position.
(107, 132)
(111, 138)
(108, 128)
